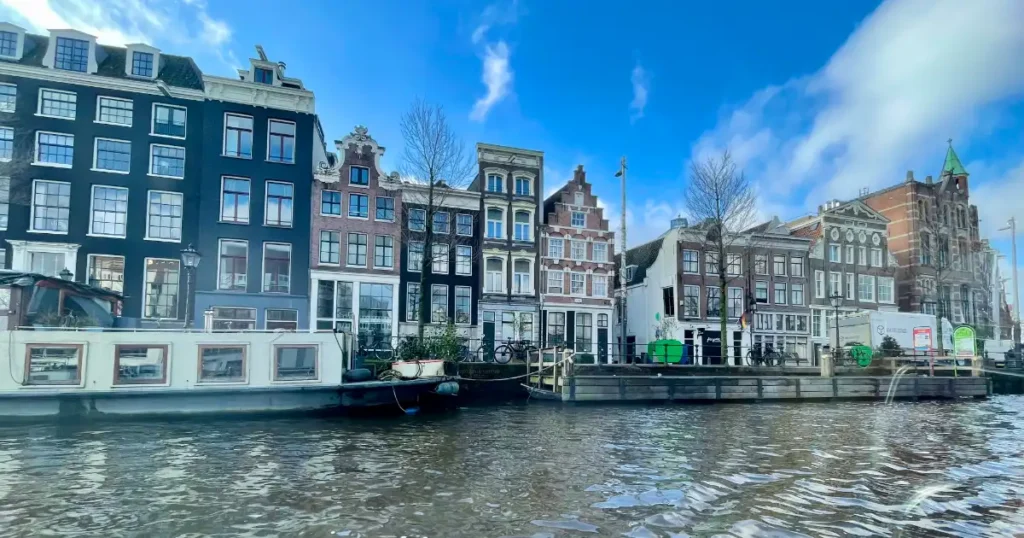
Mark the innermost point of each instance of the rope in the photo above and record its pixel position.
(460, 378)
(395, 393)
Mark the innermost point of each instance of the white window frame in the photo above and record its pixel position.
(266, 200)
(92, 201)
(455, 301)
(348, 181)
(838, 250)
(457, 215)
(593, 285)
(35, 151)
(691, 287)
(7, 203)
(145, 296)
(891, 286)
(8, 159)
(552, 241)
(785, 293)
(851, 287)
(295, 142)
(447, 311)
(152, 121)
(594, 251)
(367, 236)
(733, 259)
(573, 242)
(762, 285)
(162, 240)
(504, 274)
(850, 254)
(529, 224)
(263, 268)
(96, 155)
(863, 253)
(819, 284)
(224, 135)
(487, 181)
(697, 260)
(220, 245)
(220, 211)
(99, 100)
(341, 204)
(838, 283)
(447, 221)
(411, 211)
(410, 266)
(515, 184)
(504, 223)
(39, 104)
(15, 86)
(184, 161)
(876, 252)
(785, 264)
(319, 248)
(793, 287)
(572, 218)
(863, 280)
(88, 266)
(32, 209)
(560, 275)
(584, 292)
(529, 275)
(799, 263)
(438, 252)
(457, 249)
(382, 267)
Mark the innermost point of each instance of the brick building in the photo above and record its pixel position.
(577, 250)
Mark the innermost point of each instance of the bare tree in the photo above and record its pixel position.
(721, 200)
(437, 160)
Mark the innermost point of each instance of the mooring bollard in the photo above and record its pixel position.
(827, 366)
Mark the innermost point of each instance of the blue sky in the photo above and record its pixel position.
(815, 99)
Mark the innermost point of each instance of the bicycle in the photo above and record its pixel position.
(770, 357)
(513, 349)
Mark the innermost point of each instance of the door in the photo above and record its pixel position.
(602, 345)
(711, 347)
(737, 348)
(488, 341)
(688, 349)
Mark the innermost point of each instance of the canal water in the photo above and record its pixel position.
(842, 469)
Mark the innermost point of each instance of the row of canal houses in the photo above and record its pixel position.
(207, 199)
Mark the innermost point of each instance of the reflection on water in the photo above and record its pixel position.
(851, 469)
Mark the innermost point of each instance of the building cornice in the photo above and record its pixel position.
(262, 95)
(156, 87)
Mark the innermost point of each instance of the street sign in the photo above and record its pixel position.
(964, 343)
(862, 354)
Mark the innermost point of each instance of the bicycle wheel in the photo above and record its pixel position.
(503, 354)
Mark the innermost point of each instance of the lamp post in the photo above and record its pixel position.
(66, 275)
(623, 280)
(836, 299)
(1011, 226)
(190, 259)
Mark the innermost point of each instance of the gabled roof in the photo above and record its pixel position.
(643, 257)
(952, 166)
(774, 226)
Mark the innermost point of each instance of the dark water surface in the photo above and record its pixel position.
(844, 469)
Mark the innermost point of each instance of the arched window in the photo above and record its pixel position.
(521, 281)
(495, 269)
(522, 186)
(926, 249)
(494, 182)
(522, 226)
(495, 219)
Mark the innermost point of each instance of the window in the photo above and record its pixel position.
(281, 142)
(234, 204)
(464, 224)
(55, 149)
(579, 219)
(46, 263)
(142, 64)
(600, 252)
(556, 282)
(577, 283)
(112, 155)
(668, 301)
(495, 222)
(463, 304)
(71, 55)
(522, 281)
(522, 226)
(358, 206)
(876, 257)
(238, 136)
(863, 252)
(439, 259)
(107, 272)
(356, 250)
(851, 257)
(438, 303)
(711, 263)
(234, 319)
(8, 44)
(167, 161)
(294, 363)
(866, 288)
(415, 256)
(114, 111)
(375, 310)
(412, 301)
(600, 285)
(584, 332)
(441, 221)
(337, 309)
(926, 249)
(277, 267)
(160, 300)
(109, 212)
(714, 301)
(358, 175)
(51, 204)
(819, 284)
(53, 364)
(140, 364)
(850, 287)
(164, 216)
(835, 284)
(495, 281)
(57, 104)
(463, 260)
(522, 186)
(577, 250)
(6, 143)
(943, 252)
(761, 292)
(280, 199)
(330, 247)
(384, 251)
(233, 265)
(169, 121)
(385, 208)
(886, 289)
(816, 322)
(833, 254)
(735, 302)
(222, 364)
(690, 261)
(796, 294)
(263, 75)
(556, 328)
(964, 254)
(691, 301)
(555, 248)
(417, 220)
(494, 182)
(796, 266)
(734, 264)
(779, 265)
(780, 293)
(5, 202)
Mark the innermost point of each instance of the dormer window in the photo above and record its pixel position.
(72, 55)
(141, 61)
(142, 64)
(264, 76)
(8, 44)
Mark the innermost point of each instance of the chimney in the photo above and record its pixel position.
(579, 175)
(928, 179)
(910, 176)
(821, 208)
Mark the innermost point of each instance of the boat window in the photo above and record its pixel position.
(140, 364)
(53, 364)
(294, 362)
(222, 364)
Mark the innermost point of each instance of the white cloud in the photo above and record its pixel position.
(497, 76)
(902, 83)
(641, 81)
(995, 206)
(496, 14)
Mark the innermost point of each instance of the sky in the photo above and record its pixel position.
(815, 100)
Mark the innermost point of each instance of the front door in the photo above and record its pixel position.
(711, 347)
(602, 345)
(488, 341)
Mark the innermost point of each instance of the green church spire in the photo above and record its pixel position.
(952, 166)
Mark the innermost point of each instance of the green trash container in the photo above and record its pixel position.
(665, 351)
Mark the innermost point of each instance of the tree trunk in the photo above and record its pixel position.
(427, 258)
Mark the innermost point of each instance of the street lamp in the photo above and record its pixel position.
(66, 275)
(190, 259)
(836, 300)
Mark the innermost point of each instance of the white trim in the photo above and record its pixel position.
(19, 39)
(92, 208)
(32, 208)
(530, 178)
(457, 215)
(319, 248)
(50, 58)
(220, 208)
(498, 172)
(365, 265)
(434, 257)
(129, 60)
(251, 93)
(409, 224)
(39, 104)
(220, 246)
(131, 117)
(149, 168)
(504, 222)
(448, 230)
(96, 154)
(21, 251)
(350, 167)
(447, 312)
(455, 302)
(263, 268)
(341, 204)
(266, 200)
(180, 195)
(394, 208)
(295, 140)
(547, 282)
(349, 214)
(152, 121)
(569, 292)
(381, 267)
(35, 151)
(410, 267)
(145, 296)
(504, 274)
(224, 136)
(88, 266)
(104, 83)
(470, 247)
(531, 211)
(15, 86)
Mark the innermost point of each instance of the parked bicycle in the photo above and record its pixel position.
(513, 349)
(771, 357)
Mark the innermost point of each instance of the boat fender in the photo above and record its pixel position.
(356, 375)
(448, 388)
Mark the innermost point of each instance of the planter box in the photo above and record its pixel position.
(413, 369)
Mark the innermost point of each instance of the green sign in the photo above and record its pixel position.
(964, 342)
(862, 354)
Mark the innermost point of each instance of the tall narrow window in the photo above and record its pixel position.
(418, 220)
(233, 268)
(439, 259)
(238, 136)
(109, 215)
(438, 303)
(796, 294)
(234, 205)
(495, 281)
(556, 282)
(329, 247)
(556, 328)
(711, 263)
(356, 250)
(522, 228)
(494, 183)
(584, 332)
(577, 249)
(714, 302)
(464, 260)
(412, 301)
(735, 302)
(280, 198)
(358, 175)
(600, 252)
(819, 284)
(170, 121)
(282, 142)
(463, 304)
(556, 248)
(780, 293)
(691, 301)
(690, 261)
(796, 266)
(464, 224)
(6, 143)
(761, 292)
(51, 206)
(71, 55)
(164, 216)
(58, 104)
(358, 206)
(160, 300)
(441, 219)
(5, 202)
(495, 223)
(416, 256)
(522, 186)
(384, 251)
(277, 267)
(577, 284)
(522, 283)
(142, 64)
(600, 285)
